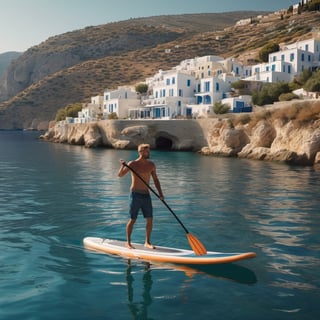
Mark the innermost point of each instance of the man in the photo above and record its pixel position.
(139, 192)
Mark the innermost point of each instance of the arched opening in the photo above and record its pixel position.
(163, 143)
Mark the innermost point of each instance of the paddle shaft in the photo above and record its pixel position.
(153, 191)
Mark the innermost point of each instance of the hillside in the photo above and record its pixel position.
(5, 60)
(77, 65)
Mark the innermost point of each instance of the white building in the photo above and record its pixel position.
(287, 63)
(119, 101)
(91, 111)
(215, 76)
(238, 104)
(169, 94)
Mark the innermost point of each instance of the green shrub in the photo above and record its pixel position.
(221, 108)
(269, 93)
(313, 83)
(287, 96)
(141, 88)
(71, 110)
(112, 116)
(266, 50)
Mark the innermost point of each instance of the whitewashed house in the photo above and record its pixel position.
(169, 94)
(120, 101)
(91, 111)
(215, 76)
(287, 63)
(239, 104)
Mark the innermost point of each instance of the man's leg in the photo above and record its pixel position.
(129, 229)
(149, 224)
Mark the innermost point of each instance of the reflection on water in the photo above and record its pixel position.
(139, 304)
(139, 310)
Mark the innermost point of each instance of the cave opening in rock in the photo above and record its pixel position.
(163, 143)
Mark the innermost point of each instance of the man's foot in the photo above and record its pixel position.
(129, 246)
(149, 246)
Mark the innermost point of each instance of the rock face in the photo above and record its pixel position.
(273, 140)
(128, 134)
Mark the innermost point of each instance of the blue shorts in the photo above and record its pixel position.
(140, 201)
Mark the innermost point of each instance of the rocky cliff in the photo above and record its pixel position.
(288, 134)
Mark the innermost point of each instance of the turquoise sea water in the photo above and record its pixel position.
(53, 195)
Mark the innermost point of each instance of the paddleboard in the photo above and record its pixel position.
(162, 254)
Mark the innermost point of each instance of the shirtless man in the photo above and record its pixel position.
(139, 193)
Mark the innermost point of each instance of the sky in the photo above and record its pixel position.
(25, 23)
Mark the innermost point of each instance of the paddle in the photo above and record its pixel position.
(194, 242)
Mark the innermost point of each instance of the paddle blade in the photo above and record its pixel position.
(196, 245)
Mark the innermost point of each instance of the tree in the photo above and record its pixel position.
(71, 110)
(303, 77)
(266, 50)
(313, 5)
(313, 83)
(60, 115)
(141, 88)
(269, 93)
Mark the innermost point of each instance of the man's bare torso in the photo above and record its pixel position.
(145, 169)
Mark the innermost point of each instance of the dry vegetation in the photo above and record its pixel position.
(299, 112)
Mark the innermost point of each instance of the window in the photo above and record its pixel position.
(282, 57)
(274, 58)
(273, 67)
(207, 86)
(289, 69)
(291, 56)
(188, 83)
(302, 56)
(217, 86)
(180, 92)
(173, 80)
(168, 81)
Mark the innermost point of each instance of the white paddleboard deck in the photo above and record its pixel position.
(161, 254)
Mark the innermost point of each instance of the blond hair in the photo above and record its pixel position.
(143, 146)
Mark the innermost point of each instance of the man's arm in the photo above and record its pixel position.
(157, 183)
(123, 169)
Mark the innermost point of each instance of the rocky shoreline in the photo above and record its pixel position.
(289, 134)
